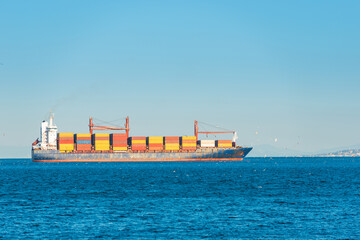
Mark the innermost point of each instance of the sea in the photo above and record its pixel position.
(258, 198)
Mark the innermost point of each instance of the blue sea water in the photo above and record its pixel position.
(275, 198)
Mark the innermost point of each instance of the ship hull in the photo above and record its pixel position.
(215, 154)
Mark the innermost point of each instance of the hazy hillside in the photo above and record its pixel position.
(271, 151)
(342, 153)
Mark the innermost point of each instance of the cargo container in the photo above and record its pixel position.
(223, 143)
(83, 141)
(207, 143)
(66, 147)
(137, 143)
(119, 142)
(62, 135)
(101, 141)
(188, 143)
(80, 142)
(155, 143)
(62, 141)
(65, 142)
(118, 137)
(66, 139)
(172, 143)
(171, 139)
(83, 135)
(120, 149)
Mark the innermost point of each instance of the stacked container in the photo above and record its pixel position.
(224, 143)
(155, 143)
(65, 142)
(188, 143)
(172, 143)
(83, 141)
(207, 143)
(118, 141)
(138, 143)
(101, 141)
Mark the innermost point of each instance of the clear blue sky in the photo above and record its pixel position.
(282, 69)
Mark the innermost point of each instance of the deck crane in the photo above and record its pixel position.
(93, 127)
(196, 132)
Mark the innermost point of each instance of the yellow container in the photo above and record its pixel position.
(84, 135)
(66, 147)
(119, 148)
(189, 138)
(156, 139)
(102, 148)
(224, 145)
(172, 146)
(138, 141)
(101, 134)
(102, 144)
(66, 135)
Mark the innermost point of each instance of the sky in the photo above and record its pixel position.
(280, 73)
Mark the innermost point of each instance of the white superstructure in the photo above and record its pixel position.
(51, 133)
(48, 135)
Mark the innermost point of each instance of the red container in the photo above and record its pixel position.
(172, 138)
(65, 141)
(83, 138)
(119, 141)
(138, 138)
(118, 135)
(120, 145)
(101, 138)
(224, 141)
(139, 144)
(138, 148)
(189, 148)
(156, 146)
(66, 138)
(83, 147)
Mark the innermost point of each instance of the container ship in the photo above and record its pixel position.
(52, 146)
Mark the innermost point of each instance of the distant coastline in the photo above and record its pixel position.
(272, 151)
(341, 153)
